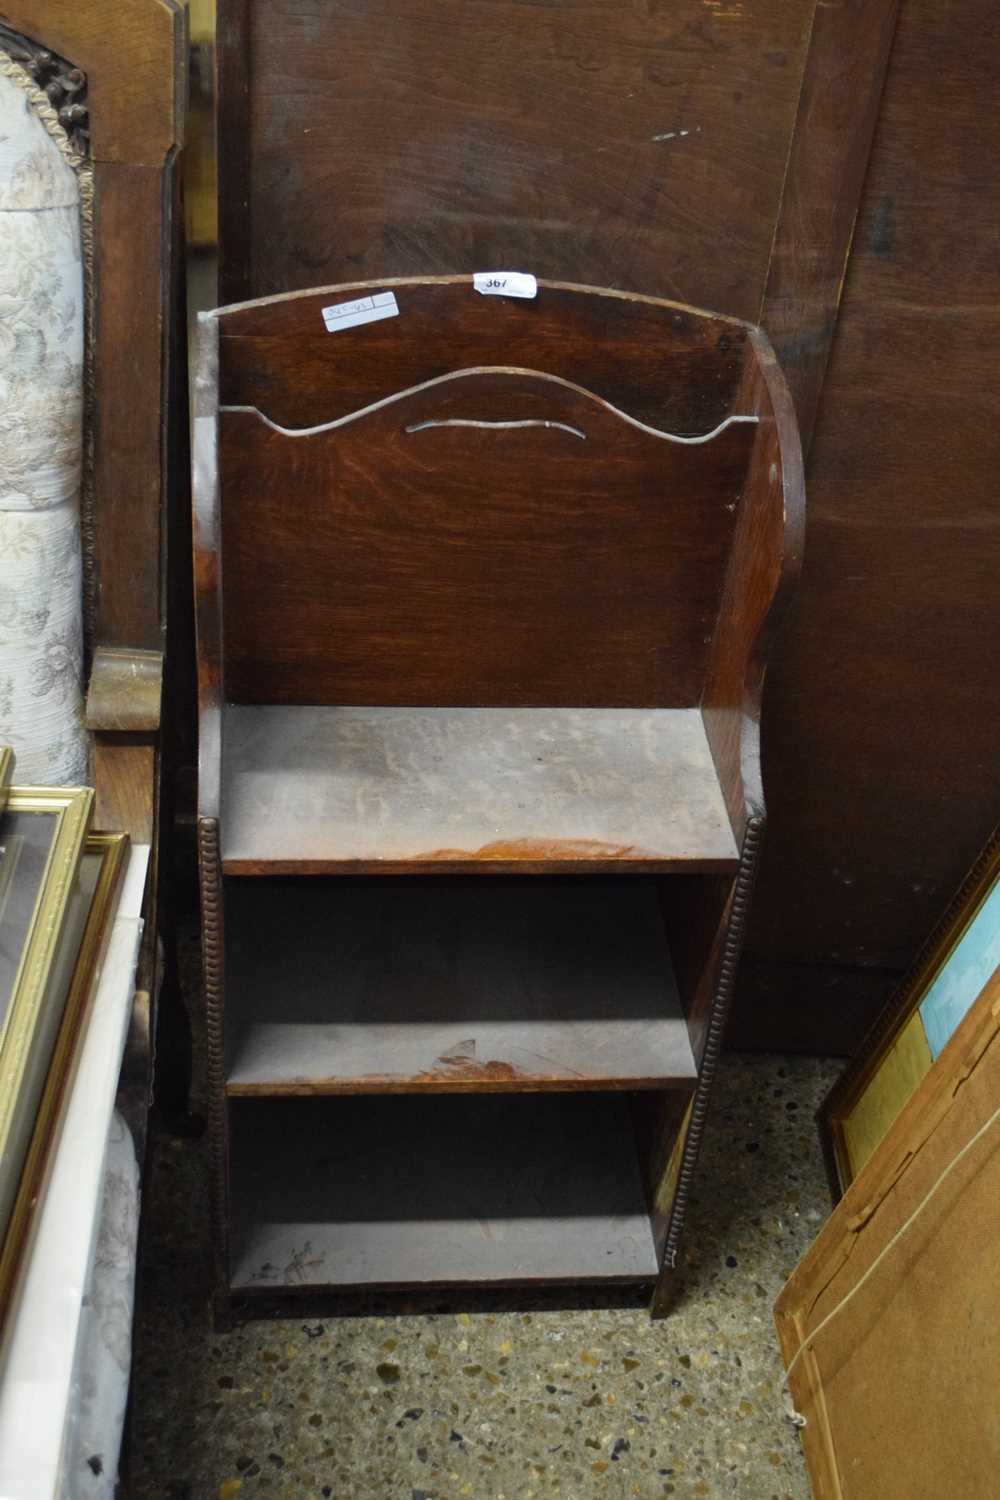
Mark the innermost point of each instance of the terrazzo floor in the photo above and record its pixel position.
(482, 1395)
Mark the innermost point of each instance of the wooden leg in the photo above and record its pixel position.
(665, 1293)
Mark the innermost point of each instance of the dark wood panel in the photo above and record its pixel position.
(532, 547)
(640, 146)
(762, 576)
(841, 90)
(128, 417)
(401, 1191)
(232, 123)
(450, 987)
(477, 791)
(881, 755)
(659, 361)
(821, 1009)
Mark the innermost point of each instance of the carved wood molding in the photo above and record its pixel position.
(64, 84)
(749, 862)
(125, 691)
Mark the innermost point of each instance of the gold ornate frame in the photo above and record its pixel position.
(852, 1085)
(23, 1033)
(6, 765)
(110, 851)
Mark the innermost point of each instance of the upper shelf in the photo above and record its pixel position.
(591, 502)
(453, 790)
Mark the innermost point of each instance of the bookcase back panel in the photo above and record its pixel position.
(301, 364)
(498, 537)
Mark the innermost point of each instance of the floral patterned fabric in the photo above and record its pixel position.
(41, 395)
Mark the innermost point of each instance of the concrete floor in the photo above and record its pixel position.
(482, 1395)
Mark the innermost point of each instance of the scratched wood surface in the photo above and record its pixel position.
(401, 1191)
(642, 146)
(338, 986)
(494, 537)
(467, 790)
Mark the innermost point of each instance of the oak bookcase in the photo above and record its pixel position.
(484, 588)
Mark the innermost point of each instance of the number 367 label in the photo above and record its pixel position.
(505, 284)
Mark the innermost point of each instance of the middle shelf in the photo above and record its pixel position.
(449, 985)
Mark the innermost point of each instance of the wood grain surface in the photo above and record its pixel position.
(660, 361)
(883, 774)
(310, 789)
(849, 48)
(637, 146)
(869, 827)
(496, 537)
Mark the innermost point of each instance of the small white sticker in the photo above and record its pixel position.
(505, 284)
(362, 310)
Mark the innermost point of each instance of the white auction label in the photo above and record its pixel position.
(362, 310)
(505, 284)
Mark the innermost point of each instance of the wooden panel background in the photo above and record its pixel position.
(880, 742)
(717, 152)
(640, 145)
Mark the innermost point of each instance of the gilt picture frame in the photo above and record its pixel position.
(87, 930)
(42, 835)
(954, 966)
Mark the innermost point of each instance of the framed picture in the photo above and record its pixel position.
(42, 836)
(83, 941)
(890, 1323)
(955, 965)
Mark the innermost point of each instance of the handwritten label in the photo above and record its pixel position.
(362, 310)
(505, 284)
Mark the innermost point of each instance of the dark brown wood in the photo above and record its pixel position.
(845, 68)
(232, 123)
(865, 841)
(659, 361)
(819, 1009)
(407, 987)
(884, 697)
(763, 570)
(488, 624)
(130, 295)
(643, 147)
(125, 776)
(581, 555)
(352, 1192)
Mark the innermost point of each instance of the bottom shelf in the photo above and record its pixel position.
(402, 1191)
